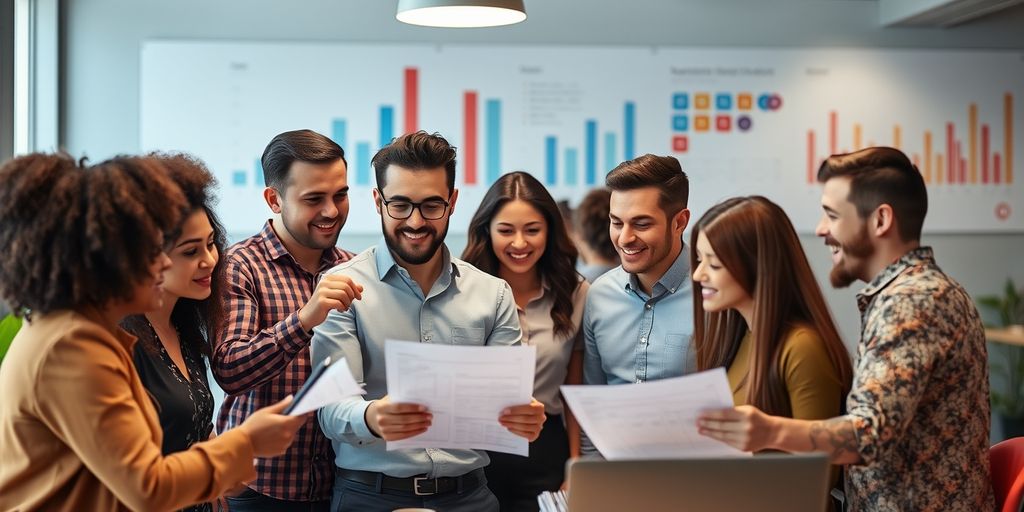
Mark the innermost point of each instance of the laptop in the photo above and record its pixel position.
(773, 482)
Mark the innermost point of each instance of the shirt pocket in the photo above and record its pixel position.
(467, 336)
(677, 354)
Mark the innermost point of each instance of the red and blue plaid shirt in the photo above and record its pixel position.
(262, 356)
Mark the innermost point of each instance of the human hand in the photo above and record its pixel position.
(524, 420)
(743, 427)
(396, 421)
(334, 291)
(270, 431)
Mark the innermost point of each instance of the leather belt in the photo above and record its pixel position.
(418, 485)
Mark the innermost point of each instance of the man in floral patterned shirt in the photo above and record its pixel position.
(916, 433)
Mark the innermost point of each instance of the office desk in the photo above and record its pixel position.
(1013, 335)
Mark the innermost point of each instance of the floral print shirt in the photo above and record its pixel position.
(920, 397)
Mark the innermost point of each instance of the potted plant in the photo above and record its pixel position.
(1007, 361)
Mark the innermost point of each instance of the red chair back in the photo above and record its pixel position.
(1007, 462)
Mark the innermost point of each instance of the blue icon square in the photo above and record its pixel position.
(680, 123)
(723, 101)
(680, 101)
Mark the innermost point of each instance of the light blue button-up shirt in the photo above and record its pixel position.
(632, 337)
(465, 306)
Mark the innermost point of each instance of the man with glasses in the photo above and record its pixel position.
(415, 290)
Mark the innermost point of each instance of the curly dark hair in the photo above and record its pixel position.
(557, 265)
(81, 237)
(195, 320)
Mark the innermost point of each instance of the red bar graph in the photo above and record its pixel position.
(469, 145)
(995, 167)
(810, 156)
(984, 153)
(950, 155)
(411, 99)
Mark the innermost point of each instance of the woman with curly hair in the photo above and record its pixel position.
(77, 428)
(519, 235)
(174, 339)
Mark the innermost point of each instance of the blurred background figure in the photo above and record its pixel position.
(590, 222)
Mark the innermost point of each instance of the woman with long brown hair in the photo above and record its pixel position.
(758, 311)
(519, 235)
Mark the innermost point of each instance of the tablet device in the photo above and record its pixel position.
(310, 382)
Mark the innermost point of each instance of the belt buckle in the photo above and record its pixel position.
(416, 481)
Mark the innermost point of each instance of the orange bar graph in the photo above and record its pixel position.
(972, 141)
(856, 137)
(897, 139)
(940, 167)
(1008, 137)
(927, 157)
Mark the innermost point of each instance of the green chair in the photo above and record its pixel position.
(9, 326)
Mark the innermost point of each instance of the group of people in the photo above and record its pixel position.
(121, 271)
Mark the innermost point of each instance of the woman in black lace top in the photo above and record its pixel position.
(174, 339)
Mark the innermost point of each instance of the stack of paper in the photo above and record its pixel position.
(553, 501)
(327, 385)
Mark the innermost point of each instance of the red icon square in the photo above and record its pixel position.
(680, 143)
(723, 123)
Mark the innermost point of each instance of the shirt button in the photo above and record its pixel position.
(643, 341)
(639, 380)
(648, 306)
(426, 337)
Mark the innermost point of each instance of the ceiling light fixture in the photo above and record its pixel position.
(461, 13)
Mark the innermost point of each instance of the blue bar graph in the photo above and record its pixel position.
(492, 120)
(387, 124)
(551, 158)
(238, 178)
(609, 152)
(363, 163)
(257, 173)
(339, 132)
(571, 158)
(591, 152)
(629, 132)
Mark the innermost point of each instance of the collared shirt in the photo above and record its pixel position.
(465, 306)
(553, 350)
(78, 430)
(920, 398)
(632, 337)
(263, 356)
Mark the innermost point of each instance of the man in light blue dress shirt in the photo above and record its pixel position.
(638, 319)
(413, 290)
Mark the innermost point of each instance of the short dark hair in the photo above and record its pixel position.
(416, 151)
(77, 237)
(882, 175)
(302, 145)
(592, 222)
(661, 172)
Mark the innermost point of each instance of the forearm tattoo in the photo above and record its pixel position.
(836, 437)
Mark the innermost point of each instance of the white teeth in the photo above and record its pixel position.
(519, 256)
(324, 226)
(414, 236)
(631, 251)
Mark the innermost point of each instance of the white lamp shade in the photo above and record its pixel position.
(461, 13)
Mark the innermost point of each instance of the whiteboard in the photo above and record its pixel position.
(741, 121)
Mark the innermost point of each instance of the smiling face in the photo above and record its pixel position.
(519, 235)
(646, 239)
(193, 257)
(719, 289)
(845, 233)
(414, 240)
(314, 204)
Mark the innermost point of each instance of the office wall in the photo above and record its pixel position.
(103, 38)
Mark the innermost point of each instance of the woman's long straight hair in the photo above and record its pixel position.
(755, 241)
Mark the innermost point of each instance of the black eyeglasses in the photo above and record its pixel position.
(431, 209)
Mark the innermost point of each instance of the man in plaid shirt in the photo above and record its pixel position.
(275, 297)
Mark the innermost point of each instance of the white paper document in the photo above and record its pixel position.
(335, 385)
(465, 388)
(652, 420)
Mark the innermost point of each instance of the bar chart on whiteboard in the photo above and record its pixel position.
(741, 121)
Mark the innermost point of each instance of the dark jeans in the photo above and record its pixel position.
(516, 481)
(252, 501)
(352, 496)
